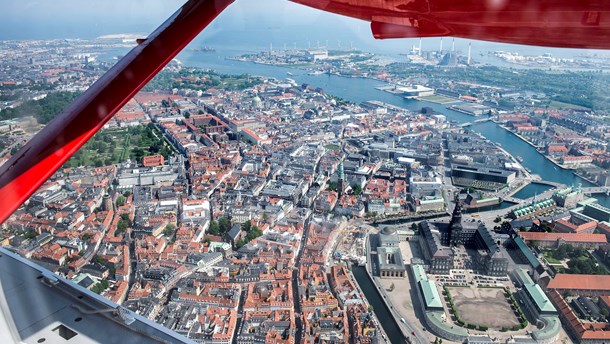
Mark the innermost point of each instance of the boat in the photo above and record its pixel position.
(204, 49)
(520, 159)
(288, 73)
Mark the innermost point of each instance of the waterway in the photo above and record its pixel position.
(358, 90)
(500, 206)
(379, 307)
(531, 190)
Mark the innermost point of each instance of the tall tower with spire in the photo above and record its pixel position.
(455, 226)
(341, 179)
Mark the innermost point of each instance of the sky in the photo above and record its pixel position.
(246, 24)
(254, 22)
(27, 16)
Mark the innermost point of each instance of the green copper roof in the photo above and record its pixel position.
(431, 296)
(539, 297)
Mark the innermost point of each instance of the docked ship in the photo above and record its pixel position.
(205, 49)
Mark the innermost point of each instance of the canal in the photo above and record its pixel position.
(379, 307)
(358, 90)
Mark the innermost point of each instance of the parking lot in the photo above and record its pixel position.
(469, 277)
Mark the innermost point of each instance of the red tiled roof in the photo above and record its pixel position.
(578, 228)
(570, 237)
(605, 299)
(554, 148)
(580, 282)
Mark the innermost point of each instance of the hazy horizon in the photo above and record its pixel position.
(246, 24)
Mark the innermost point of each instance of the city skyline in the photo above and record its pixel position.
(246, 24)
(279, 183)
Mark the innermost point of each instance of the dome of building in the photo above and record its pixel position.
(257, 102)
(388, 230)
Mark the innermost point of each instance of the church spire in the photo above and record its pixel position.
(455, 225)
(456, 217)
(341, 179)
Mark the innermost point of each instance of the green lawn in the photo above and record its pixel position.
(558, 104)
(438, 99)
(113, 146)
(332, 147)
(549, 258)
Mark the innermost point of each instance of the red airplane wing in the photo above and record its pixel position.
(562, 23)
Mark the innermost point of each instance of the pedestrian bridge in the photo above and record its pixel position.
(549, 183)
(596, 190)
(480, 120)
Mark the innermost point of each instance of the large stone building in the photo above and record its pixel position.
(439, 258)
(437, 240)
(389, 257)
(569, 197)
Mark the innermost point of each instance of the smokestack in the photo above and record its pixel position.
(441, 48)
(469, 52)
(419, 52)
(453, 45)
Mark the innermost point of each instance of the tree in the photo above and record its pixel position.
(43, 110)
(240, 243)
(121, 227)
(356, 189)
(253, 234)
(333, 186)
(246, 226)
(120, 201)
(125, 217)
(169, 229)
(224, 224)
(214, 228)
